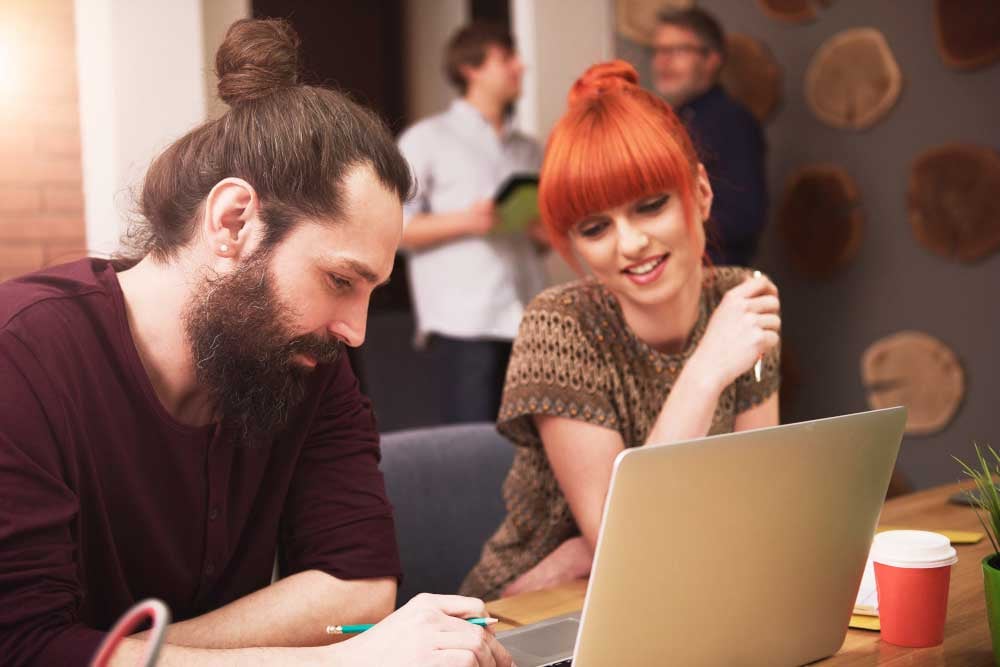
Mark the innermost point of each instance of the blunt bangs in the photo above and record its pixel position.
(611, 150)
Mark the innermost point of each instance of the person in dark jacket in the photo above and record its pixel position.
(689, 50)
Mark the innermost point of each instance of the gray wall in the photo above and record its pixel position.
(894, 283)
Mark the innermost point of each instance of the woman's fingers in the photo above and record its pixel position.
(769, 339)
(767, 303)
(755, 286)
(769, 321)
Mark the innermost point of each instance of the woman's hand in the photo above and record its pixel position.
(743, 328)
(428, 630)
(569, 561)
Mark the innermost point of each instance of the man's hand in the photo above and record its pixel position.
(539, 235)
(427, 230)
(481, 217)
(427, 631)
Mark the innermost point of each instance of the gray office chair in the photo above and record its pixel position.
(444, 484)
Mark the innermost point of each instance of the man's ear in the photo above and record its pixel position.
(714, 63)
(466, 72)
(231, 218)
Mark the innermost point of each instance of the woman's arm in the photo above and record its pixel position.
(582, 456)
(759, 416)
(744, 327)
(584, 473)
(584, 476)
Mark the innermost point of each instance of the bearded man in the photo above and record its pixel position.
(170, 422)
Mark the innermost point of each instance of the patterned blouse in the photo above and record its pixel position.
(575, 357)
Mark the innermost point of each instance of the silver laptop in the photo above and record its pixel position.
(740, 549)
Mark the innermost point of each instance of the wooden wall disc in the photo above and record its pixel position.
(968, 32)
(914, 369)
(793, 11)
(820, 220)
(637, 19)
(954, 210)
(853, 79)
(752, 75)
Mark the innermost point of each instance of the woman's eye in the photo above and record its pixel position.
(592, 229)
(653, 205)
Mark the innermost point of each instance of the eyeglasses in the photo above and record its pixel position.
(672, 50)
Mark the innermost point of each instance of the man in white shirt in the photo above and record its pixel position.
(470, 284)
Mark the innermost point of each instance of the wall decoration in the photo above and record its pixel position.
(637, 19)
(820, 220)
(952, 198)
(968, 32)
(917, 370)
(752, 75)
(853, 79)
(794, 11)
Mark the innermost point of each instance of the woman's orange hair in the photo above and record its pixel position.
(616, 143)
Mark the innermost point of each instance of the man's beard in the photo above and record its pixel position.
(676, 97)
(243, 353)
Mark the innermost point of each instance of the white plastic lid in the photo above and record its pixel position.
(913, 549)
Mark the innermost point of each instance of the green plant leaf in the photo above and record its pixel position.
(989, 533)
(986, 499)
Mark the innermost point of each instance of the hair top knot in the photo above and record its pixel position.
(257, 58)
(603, 78)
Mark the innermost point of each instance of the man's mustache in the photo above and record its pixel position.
(323, 350)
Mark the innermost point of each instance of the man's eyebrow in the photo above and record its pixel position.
(362, 270)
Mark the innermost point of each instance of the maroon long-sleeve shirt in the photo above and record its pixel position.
(105, 499)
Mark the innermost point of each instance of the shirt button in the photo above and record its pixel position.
(213, 513)
(210, 569)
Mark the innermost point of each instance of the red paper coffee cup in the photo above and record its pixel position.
(912, 575)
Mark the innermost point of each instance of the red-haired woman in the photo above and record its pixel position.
(653, 347)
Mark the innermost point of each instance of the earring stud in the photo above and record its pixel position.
(223, 248)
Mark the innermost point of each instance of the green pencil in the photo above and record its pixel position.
(354, 629)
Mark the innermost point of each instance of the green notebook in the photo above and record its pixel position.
(517, 204)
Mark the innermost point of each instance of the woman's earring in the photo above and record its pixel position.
(223, 248)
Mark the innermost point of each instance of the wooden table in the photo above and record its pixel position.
(967, 637)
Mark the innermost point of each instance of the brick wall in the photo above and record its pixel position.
(41, 193)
